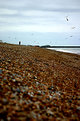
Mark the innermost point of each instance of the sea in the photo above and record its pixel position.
(67, 50)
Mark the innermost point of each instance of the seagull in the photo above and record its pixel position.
(73, 27)
(67, 18)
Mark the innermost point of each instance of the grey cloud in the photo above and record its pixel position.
(47, 5)
(47, 12)
(63, 10)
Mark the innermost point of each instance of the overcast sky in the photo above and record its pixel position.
(53, 16)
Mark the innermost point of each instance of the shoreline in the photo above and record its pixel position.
(38, 84)
(66, 50)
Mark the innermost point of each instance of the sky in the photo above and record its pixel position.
(40, 22)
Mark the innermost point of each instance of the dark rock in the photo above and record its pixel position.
(18, 90)
(0, 71)
(3, 115)
(1, 88)
(48, 98)
(78, 98)
(0, 60)
(38, 93)
(70, 101)
(4, 79)
(51, 88)
(9, 61)
(0, 77)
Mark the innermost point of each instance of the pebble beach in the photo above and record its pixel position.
(38, 84)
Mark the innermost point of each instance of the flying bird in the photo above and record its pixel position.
(67, 18)
(73, 27)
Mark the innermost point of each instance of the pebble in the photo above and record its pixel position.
(39, 91)
(5, 101)
(1, 89)
(8, 118)
(49, 112)
(18, 79)
(50, 88)
(14, 80)
(78, 108)
(13, 95)
(37, 83)
(18, 90)
(0, 71)
(30, 90)
(4, 79)
(70, 101)
(0, 77)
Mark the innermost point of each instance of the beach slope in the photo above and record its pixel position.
(38, 84)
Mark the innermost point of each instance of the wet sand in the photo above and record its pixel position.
(38, 84)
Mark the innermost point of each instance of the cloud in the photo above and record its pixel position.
(35, 28)
(37, 15)
(41, 4)
(7, 11)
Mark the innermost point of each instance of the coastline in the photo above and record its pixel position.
(38, 84)
(67, 50)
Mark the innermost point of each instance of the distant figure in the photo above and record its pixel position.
(19, 42)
